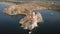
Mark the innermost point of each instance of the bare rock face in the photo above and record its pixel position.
(10, 10)
(22, 8)
(31, 20)
(30, 24)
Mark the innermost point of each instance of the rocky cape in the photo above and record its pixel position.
(22, 8)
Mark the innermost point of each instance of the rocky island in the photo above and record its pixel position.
(32, 18)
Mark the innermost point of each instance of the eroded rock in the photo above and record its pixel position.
(31, 23)
(22, 8)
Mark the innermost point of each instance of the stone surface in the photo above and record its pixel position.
(30, 24)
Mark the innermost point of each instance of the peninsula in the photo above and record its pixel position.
(22, 8)
(32, 18)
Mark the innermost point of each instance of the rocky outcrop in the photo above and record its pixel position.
(10, 10)
(22, 8)
(31, 20)
(30, 24)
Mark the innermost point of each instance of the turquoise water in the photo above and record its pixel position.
(10, 24)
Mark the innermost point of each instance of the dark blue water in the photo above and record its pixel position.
(10, 24)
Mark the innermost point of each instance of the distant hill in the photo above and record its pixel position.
(29, 0)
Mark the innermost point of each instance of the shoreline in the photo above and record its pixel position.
(28, 6)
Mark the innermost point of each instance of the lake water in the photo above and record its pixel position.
(10, 24)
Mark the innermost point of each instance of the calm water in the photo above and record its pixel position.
(10, 24)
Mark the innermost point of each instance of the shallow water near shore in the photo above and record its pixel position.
(10, 24)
